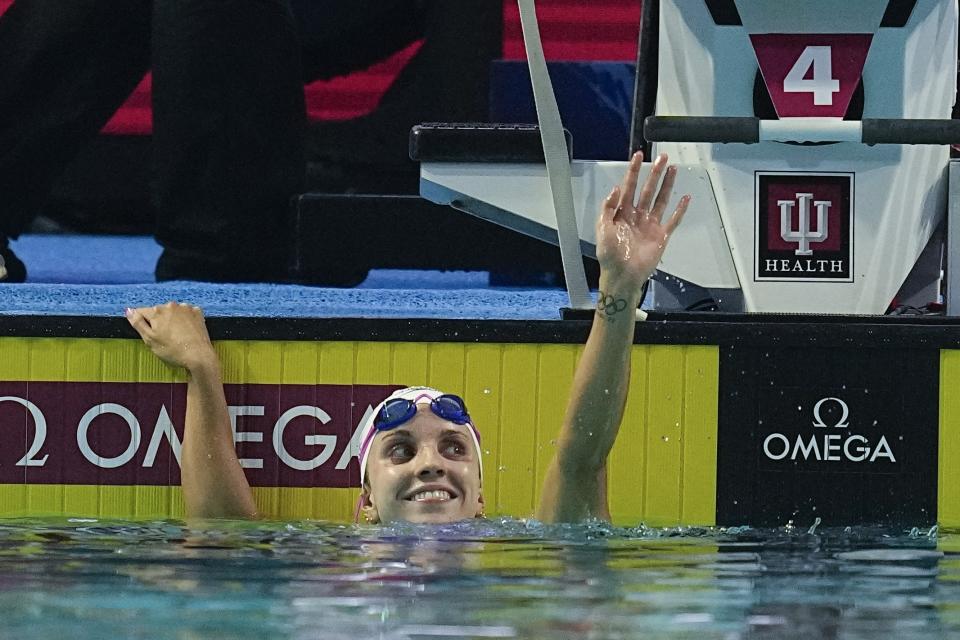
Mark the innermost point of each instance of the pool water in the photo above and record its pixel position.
(485, 579)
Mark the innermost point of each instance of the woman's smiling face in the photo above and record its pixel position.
(426, 470)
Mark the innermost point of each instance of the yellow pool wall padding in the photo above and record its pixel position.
(662, 471)
(948, 472)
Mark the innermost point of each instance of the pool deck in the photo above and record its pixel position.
(102, 275)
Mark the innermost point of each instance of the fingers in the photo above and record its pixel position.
(663, 197)
(651, 183)
(139, 322)
(677, 216)
(630, 178)
(608, 211)
(146, 317)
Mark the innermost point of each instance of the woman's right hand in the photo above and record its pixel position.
(176, 333)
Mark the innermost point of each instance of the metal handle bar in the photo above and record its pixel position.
(748, 130)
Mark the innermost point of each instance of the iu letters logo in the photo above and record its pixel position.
(804, 227)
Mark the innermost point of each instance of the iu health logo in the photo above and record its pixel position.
(831, 441)
(804, 227)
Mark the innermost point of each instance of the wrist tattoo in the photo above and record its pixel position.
(608, 306)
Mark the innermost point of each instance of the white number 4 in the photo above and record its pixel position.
(822, 84)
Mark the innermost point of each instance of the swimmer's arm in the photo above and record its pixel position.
(214, 485)
(575, 484)
(631, 237)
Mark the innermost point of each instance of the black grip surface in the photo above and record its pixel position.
(478, 142)
(899, 131)
(701, 129)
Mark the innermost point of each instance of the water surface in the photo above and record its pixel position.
(485, 579)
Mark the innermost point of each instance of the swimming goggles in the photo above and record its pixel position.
(397, 411)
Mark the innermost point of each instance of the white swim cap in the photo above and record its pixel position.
(420, 395)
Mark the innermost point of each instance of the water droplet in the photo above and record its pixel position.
(665, 438)
(486, 392)
(501, 468)
(606, 392)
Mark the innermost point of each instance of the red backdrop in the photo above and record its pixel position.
(571, 30)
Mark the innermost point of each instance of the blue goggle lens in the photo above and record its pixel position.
(399, 410)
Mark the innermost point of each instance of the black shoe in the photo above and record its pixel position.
(12, 268)
(174, 265)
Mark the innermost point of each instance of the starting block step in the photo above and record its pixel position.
(479, 142)
(339, 237)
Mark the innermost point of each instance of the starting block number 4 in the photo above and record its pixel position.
(811, 74)
(821, 82)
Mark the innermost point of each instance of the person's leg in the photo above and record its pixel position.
(65, 67)
(229, 124)
(339, 37)
(446, 81)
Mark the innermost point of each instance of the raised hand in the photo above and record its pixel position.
(631, 234)
(175, 332)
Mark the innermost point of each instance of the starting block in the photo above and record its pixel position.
(814, 138)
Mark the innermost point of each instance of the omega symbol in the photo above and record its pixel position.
(841, 423)
(804, 235)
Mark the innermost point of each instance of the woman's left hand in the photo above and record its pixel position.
(631, 234)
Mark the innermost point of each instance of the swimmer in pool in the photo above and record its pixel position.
(420, 455)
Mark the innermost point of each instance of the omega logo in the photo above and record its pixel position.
(841, 423)
(828, 447)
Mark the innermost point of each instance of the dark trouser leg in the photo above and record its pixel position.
(228, 137)
(447, 81)
(341, 36)
(65, 67)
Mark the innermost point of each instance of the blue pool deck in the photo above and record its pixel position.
(76, 275)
